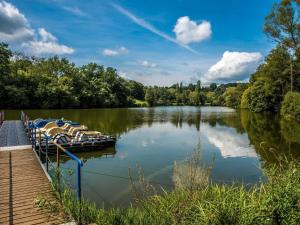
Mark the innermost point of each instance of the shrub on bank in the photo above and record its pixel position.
(290, 107)
(245, 99)
(140, 103)
(277, 201)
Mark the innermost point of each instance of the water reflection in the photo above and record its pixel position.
(229, 142)
(156, 137)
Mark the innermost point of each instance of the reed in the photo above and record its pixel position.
(275, 201)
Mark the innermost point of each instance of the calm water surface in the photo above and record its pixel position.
(239, 142)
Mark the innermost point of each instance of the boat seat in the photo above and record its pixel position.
(61, 138)
(53, 131)
(68, 126)
(47, 126)
(73, 130)
(87, 135)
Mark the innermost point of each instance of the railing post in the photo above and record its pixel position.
(35, 138)
(47, 166)
(31, 134)
(57, 156)
(40, 145)
(79, 181)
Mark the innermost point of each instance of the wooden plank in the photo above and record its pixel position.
(22, 180)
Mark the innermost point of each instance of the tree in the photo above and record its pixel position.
(5, 55)
(270, 82)
(245, 99)
(290, 108)
(282, 25)
(136, 89)
(198, 86)
(212, 98)
(150, 96)
(232, 96)
(194, 98)
(213, 86)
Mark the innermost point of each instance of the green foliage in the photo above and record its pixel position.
(213, 86)
(136, 90)
(290, 108)
(140, 103)
(5, 55)
(211, 98)
(56, 83)
(194, 98)
(274, 202)
(278, 74)
(282, 24)
(177, 94)
(270, 82)
(232, 96)
(245, 99)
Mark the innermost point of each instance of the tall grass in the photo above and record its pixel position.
(276, 201)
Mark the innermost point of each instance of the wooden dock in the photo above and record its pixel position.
(22, 179)
(12, 133)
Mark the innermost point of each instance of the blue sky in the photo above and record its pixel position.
(154, 42)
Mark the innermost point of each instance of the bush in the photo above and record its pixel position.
(277, 201)
(139, 103)
(290, 107)
(245, 99)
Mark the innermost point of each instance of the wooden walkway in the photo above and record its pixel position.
(12, 133)
(22, 180)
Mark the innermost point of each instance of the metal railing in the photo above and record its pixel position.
(24, 118)
(79, 163)
(1, 118)
(32, 133)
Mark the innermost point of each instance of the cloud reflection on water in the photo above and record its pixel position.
(230, 143)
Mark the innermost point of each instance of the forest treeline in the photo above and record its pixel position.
(30, 82)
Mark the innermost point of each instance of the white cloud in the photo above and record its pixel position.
(151, 28)
(124, 75)
(46, 36)
(233, 66)
(40, 48)
(46, 43)
(115, 52)
(188, 31)
(109, 52)
(14, 27)
(75, 10)
(148, 64)
(13, 24)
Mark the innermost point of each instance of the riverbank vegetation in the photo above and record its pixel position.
(276, 201)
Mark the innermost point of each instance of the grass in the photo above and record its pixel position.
(277, 201)
(140, 103)
(290, 107)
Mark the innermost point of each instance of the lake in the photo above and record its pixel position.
(238, 143)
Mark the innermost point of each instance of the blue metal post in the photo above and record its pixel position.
(78, 181)
(79, 165)
(34, 137)
(47, 166)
